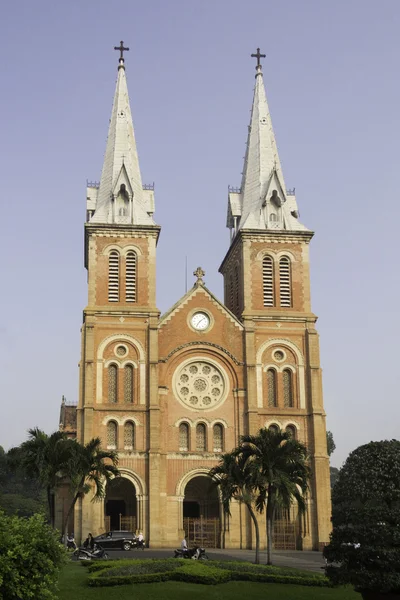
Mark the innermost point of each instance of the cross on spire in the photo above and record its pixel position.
(122, 49)
(258, 55)
(199, 273)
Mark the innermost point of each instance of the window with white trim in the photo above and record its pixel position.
(129, 435)
(218, 438)
(112, 435)
(285, 282)
(201, 438)
(271, 387)
(128, 384)
(291, 430)
(287, 377)
(184, 437)
(113, 383)
(131, 264)
(268, 281)
(113, 276)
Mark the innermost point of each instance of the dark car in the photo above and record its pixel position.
(116, 540)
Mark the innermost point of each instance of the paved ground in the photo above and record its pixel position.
(310, 561)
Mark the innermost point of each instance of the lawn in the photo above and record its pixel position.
(73, 586)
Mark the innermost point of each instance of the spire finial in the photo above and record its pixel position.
(122, 49)
(258, 55)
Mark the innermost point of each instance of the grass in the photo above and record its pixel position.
(73, 585)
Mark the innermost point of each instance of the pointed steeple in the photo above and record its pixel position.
(120, 196)
(262, 201)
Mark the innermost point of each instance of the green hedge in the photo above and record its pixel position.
(128, 571)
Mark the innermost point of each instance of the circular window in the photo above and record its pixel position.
(200, 385)
(279, 355)
(121, 350)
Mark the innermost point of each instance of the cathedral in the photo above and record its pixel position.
(171, 393)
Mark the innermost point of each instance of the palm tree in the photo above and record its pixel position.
(88, 467)
(234, 476)
(283, 473)
(42, 457)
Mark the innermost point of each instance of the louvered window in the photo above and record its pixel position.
(273, 428)
(287, 388)
(112, 383)
(237, 290)
(131, 277)
(201, 437)
(129, 435)
(271, 387)
(285, 283)
(291, 430)
(231, 294)
(218, 438)
(112, 435)
(183, 437)
(128, 383)
(113, 276)
(268, 281)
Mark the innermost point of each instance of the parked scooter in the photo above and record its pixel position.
(138, 544)
(196, 553)
(87, 554)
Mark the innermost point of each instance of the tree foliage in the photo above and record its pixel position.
(268, 470)
(330, 443)
(365, 542)
(30, 558)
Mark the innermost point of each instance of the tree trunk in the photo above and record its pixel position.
(69, 513)
(254, 518)
(270, 522)
(51, 507)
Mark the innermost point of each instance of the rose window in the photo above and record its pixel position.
(200, 385)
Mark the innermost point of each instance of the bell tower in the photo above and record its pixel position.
(267, 287)
(118, 388)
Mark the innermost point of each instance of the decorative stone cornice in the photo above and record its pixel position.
(207, 344)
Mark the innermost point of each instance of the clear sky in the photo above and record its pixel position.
(332, 80)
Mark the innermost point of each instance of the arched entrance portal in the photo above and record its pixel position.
(201, 513)
(120, 505)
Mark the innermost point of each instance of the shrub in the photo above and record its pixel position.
(30, 558)
(364, 549)
(209, 573)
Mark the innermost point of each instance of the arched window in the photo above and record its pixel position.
(273, 218)
(128, 383)
(201, 442)
(287, 376)
(113, 276)
(237, 303)
(274, 428)
(268, 281)
(112, 435)
(184, 437)
(113, 383)
(291, 430)
(231, 293)
(129, 435)
(285, 282)
(131, 276)
(271, 387)
(218, 438)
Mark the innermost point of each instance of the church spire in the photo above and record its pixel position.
(262, 201)
(120, 197)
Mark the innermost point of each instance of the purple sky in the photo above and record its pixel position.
(331, 75)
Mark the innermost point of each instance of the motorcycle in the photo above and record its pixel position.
(138, 544)
(87, 554)
(196, 553)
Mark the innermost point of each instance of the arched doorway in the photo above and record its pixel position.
(201, 512)
(120, 505)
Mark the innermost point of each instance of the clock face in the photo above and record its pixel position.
(200, 321)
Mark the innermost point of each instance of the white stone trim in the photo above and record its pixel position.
(184, 480)
(137, 481)
(279, 368)
(120, 420)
